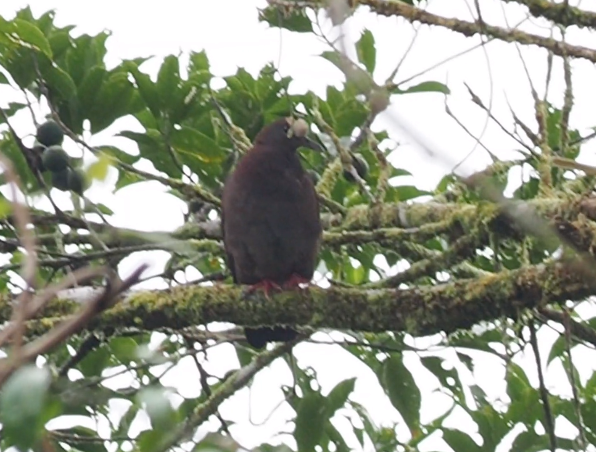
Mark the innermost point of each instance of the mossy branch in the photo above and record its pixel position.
(559, 13)
(418, 311)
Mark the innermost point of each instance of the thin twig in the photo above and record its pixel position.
(572, 381)
(548, 414)
(29, 267)
(41, 300)
(72, 325)
(205, 384)
(235, 382)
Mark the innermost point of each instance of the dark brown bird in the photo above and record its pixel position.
(270, 218)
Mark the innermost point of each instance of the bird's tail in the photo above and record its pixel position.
(259, 337)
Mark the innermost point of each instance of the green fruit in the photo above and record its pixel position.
(361, 167)
(60, 179)
(54, 159)
(49, 134)
(77, 181)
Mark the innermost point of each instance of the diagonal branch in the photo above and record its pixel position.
(559, 13)
(413, 14)
(236, 381)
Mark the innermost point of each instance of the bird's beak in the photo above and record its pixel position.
(298, 131)
(306, 142)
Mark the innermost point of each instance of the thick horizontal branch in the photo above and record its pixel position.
(559, 13)
(418, 311)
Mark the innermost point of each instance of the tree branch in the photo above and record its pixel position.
(413, 14)
(419, 311)
(559, 13)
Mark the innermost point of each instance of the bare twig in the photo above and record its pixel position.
(29, 267)
(205, 384)
(72, 325)
(235, 382)
(42, 299)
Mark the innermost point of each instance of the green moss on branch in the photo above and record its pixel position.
(559, 13)
(418, 311)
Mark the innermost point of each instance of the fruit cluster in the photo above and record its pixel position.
(49, 139)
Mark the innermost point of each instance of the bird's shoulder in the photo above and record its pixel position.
(267, 169)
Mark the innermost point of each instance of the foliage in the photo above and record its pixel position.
(192, 136)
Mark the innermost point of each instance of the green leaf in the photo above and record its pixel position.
(270, 448)
(198, 62)
(366, 51)
(339, 395)
(126, 420)
(460, 441)
(525, 406)
(294, 20)
(404, 193)
(126, 178)
(349, 116)
(424, 87)
(529, 441)
(151, 147)
(5, 208)
(354, 274)
(21, 405)
(30, 34)
(85, 53)
(158, 407)
(60, 43)
(113, 101)
(119, 154)
(3, 79)
(557, 350)
(402, 390)
(90, 87)
(149, 440)
(448, 378)
(244, 354)
(93, 208)
(125, 349)
(492, 425)
(193, 143)
(168, 80)
(95, 362)
(99, 169)
(61, 82)
(310, 421)
(10, 149)
(148, 91)
(242, 82)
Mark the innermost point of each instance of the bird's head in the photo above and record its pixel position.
(287, 133)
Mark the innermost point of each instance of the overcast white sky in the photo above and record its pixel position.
(230, 33)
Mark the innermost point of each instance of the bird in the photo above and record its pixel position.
(270, 219)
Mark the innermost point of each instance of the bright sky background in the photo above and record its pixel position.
(232, 36)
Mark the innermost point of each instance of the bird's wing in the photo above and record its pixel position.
(229, 256)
